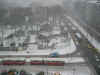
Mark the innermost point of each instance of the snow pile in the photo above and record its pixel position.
(67, 49)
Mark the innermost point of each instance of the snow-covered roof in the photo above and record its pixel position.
(74, 60)
(54, 59)
(14, 58)
(38, 58)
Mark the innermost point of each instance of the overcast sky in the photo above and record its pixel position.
(25, 3)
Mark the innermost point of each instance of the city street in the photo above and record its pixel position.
(49, 37)
(90, 54)
(67, 69)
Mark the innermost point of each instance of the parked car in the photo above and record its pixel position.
(55, 54)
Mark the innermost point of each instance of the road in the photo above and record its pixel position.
(91, 29)
(91, 56)
(69, 69)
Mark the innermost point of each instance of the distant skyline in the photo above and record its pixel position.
(26, 3)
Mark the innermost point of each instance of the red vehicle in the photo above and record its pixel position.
(55, 63)
(20, 62)
(48, 61)
(36, 63)
(12, 62)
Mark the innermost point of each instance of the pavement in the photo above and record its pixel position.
(69, 69)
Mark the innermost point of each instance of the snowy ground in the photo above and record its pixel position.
(66, 60)
(62, 48)
(66, 48)
(93, 41)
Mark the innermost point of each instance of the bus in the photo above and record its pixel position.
(13, 61)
